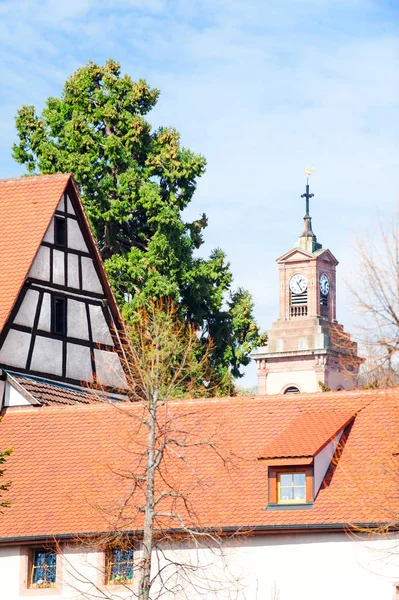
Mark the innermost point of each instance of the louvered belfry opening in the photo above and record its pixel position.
(299, 304)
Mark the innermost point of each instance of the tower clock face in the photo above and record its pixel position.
(324, 285)
(298, 283)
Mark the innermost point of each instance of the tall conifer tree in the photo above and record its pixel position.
(135, 183)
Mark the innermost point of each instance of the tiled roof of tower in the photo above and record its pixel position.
(27, 205)
(69, 460)
(307, 434)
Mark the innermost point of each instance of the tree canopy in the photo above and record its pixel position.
(135, 183)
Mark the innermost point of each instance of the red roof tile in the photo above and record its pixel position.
(27, 205)
(71, 466)
(307, 434)
(58, 394)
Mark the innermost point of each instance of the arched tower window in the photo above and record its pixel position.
(291, 390)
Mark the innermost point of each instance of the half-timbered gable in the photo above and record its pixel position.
(60, 319)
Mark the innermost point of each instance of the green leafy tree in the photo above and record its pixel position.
(135, 183)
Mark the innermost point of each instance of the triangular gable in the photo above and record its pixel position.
(306, 435)
(27, 206)
(85, 346)
(326, 256)
(295, 255)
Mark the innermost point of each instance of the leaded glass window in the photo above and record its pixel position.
(43, 568)
(120, 565)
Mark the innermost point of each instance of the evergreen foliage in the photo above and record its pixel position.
(135, 183)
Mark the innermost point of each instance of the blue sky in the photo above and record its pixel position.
(261, 88)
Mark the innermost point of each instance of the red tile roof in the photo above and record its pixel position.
(27, 205)
(71, 466)
(57, 394)
(306, 435)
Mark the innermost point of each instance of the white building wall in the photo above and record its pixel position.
(330, 566)
(306, 381)
(322, 461)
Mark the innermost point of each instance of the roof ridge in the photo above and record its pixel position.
(41, 176)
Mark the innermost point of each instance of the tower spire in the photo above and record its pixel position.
(307, 239)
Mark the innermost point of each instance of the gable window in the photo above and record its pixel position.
(58, 315)
(291, 390)
(60, 231)
(43, 568)
(291, 488)
(119, 567)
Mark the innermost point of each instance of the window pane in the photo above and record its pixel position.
(121, 565)
(60, 231)
(299, 493)
(286, 479)
(299, 478)
(286, 493)
(44, 568)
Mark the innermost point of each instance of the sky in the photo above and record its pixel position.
(261, 88)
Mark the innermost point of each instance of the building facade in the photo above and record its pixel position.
(307, 348)
(258, 498)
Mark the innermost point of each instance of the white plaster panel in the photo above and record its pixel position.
(306, 381)
(79, 363)
(61, 204)
(14, 351)
(99, 326)
(73, 271)
(322, 461)
(70, 209)
(77, 320)
(90, 278)
(26, 314)
(59, 267)
(49, 235)
(47, 356)
(75, 236)
(45, 314)
(109, 369)
(40, 268)
(13, 397)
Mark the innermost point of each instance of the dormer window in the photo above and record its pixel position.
(291, 488)
(60, 231)
(299, 456)
(291, 485)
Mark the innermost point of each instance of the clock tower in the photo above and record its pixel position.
(307, 348)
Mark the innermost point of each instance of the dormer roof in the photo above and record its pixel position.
(307, 434)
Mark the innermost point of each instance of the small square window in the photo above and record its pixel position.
(43, 568)
(60, 231)
(291, 488)
(119, 566)
(58, 315)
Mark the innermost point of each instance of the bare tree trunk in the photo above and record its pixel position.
(148, 532)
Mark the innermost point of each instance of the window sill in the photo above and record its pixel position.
(300, 506)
